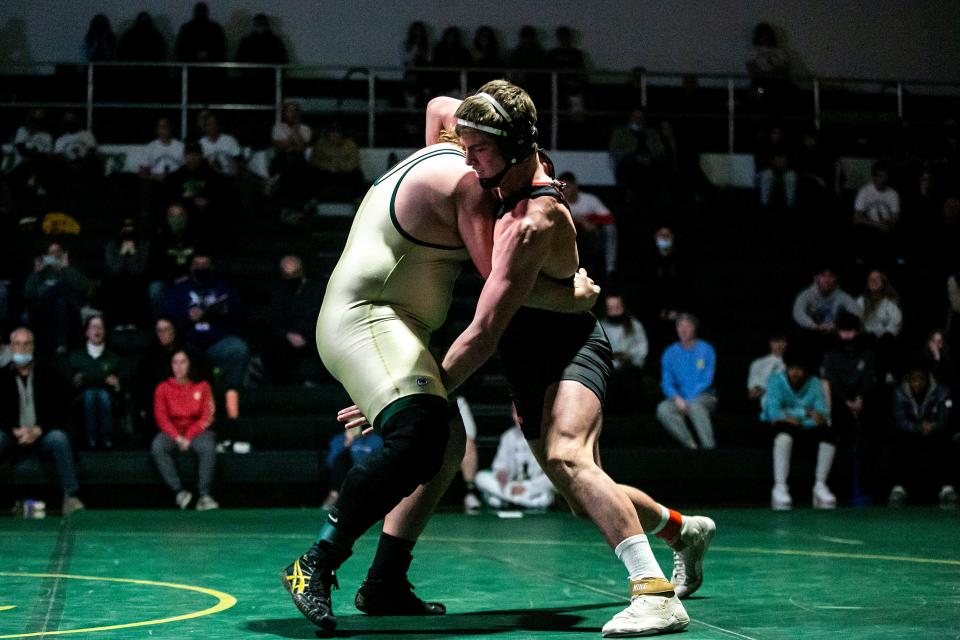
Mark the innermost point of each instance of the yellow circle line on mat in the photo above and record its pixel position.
(224, 602)
(8, 607)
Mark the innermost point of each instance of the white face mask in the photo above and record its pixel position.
(22, 359)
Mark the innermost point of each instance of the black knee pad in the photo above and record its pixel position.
(418, 432)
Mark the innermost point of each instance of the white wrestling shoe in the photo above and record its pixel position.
(654, 609)
(823, 498)
(696, 533)
(780, 499)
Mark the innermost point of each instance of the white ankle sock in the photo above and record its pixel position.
(637, 557)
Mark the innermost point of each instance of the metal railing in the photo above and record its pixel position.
(890, 97)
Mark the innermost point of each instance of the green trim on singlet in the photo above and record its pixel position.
(393, 197)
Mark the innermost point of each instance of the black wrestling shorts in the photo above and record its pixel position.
(540, 348)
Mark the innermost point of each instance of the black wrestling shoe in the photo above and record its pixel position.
(310, 589)
(394, 598)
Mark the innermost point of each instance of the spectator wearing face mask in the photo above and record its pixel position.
(628, 341)
(293, 357)
(668, 289)
(208, 311)
(54, 294)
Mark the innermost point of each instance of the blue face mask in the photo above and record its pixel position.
(22, 359)
(663, 244)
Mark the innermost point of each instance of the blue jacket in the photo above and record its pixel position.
(687, 373)
(935, 407)
(781, 401)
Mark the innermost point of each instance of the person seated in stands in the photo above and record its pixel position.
(199, 189)
(876, 212)
(32, 143)
(100, 43)
(529, 54)
(171, 252)
(768, 67)
(795, 408)
(688, 367)
(76, 148)
(668, 286)
(292, 356)
(33, 415)
(819, 171)
(776, 179)
(815, 309)
(337, 158)
(629, 343)
(54, 294)
(596, 228)
(936, 355)
(94, 372)
(486, 54)
(124, 289)
(164, 155)
(762, 368)
(882, 321)
(184, 410)
(346, 448)
(515, 479)
(294, 179)
(449, 52)
(923, 445)
(220, 150)
(633, 148)
(208, 311)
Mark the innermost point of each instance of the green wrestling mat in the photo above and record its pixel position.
(870, 573)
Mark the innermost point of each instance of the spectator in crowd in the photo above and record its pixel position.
(449, 52)
(94, 370)
(795, 408)
(486, 49)
(776, 179)
(596, 228)
(876, 211)
(415, 52)
(633, 148)
(336, 157)
(200, 190)
(768, 66)
(201, 39)
(6, 355)
(291, 138)
(346, 449)
(515, 479)
(529, 54)
(629, 343)
(153, 367)
(124, 288)
(687, 369)
(142, 42)
(292, 356)
(207, 310)
(262, 45)
(171, 253)
(679, 176)
(33, 138)
(850, 369)
(668, 286)
(54, 294)
(882, 321)
(922, 445)
(569, 60)
(33, 419)
(219, 149)
(936, 355)
(819, 172)
(164, 155)
(763, 368)
(76, 147)
(815, 309)
(953, 311)
(184, 410)
(100, 44)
